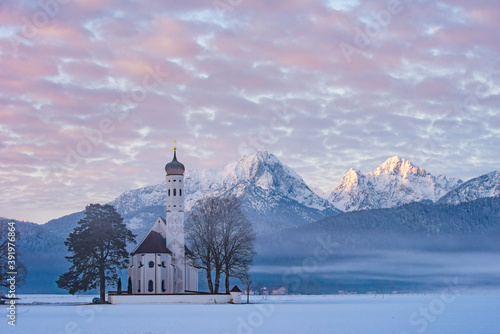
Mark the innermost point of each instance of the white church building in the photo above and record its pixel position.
(161, 263)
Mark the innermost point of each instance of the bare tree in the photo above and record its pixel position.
(221, 238)
(238, 239)
(201, 233)
(247, 281)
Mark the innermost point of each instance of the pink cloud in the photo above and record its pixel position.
(230, 72)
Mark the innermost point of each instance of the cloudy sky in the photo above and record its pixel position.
(93, 93)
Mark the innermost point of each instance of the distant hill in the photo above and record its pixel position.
(415, 247)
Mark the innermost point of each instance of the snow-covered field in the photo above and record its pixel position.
(436, 313)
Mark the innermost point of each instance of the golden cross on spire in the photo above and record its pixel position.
(175, 142)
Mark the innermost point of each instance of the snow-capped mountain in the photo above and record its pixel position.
(487, 185)
(273, 195)
(395, 182)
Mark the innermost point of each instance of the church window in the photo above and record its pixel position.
(151, 264)
(139, 290)
(175, 192)
(168, 192)
(163, 286)
(163, 264)
(180, 180)
(175, 180)
(180, 192)
(175, 206)
(150, 286)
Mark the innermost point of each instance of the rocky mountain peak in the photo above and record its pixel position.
(350, 179)
(395, 182)
(397, 165)
(261, 165)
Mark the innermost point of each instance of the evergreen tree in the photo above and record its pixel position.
(119, 288)
(129, 286)
(98, 248)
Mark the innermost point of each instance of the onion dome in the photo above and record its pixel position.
(174, 167)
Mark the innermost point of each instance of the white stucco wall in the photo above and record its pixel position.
(145, 299)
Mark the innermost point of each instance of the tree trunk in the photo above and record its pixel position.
(217, 280)
(102, 279)
(227, 281)
(209, 280)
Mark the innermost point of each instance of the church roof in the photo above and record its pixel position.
(154, 243)
(235, 289)
(188, 252)
(174, 167)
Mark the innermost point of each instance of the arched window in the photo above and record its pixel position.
(163, 264)
(150, 286)
(151, 264)
(168, 192)
(163, 286)
(175, 192)
(180, 192)
(139, 289)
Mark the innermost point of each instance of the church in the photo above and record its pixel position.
(161, 263)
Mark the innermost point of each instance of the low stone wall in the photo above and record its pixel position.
(173, 298)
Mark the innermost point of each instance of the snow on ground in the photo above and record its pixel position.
(400, 314)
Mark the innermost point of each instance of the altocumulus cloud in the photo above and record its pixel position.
(120, 80)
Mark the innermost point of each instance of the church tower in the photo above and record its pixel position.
(175, 221)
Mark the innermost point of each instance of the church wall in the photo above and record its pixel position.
(159, 227)
(163, 267)
(191, 278)
(184, 298)
(141, 273)
(131, 273)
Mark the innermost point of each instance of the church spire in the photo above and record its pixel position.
(175, 167)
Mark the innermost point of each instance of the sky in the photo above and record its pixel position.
(93, 93)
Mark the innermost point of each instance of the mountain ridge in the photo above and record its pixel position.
(395, 182)
(486, 185)
(266, 187)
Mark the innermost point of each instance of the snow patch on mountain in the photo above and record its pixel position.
(395, 182)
